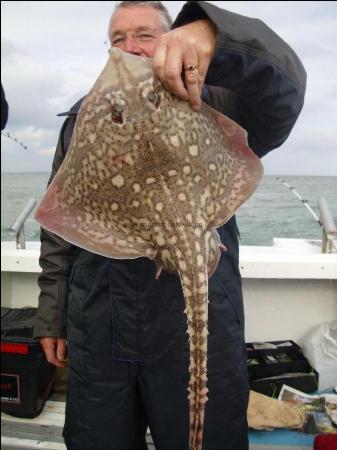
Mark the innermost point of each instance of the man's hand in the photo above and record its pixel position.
(188, 50)
(55, 350)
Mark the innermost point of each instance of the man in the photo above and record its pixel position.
(126, 331)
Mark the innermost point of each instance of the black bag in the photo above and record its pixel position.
(272, 364)
(27, 378)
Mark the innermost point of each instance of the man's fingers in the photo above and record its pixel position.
(49, 346)
(191, 75)
(195, 78)
(182, 58)
(173, 72)
(159, 61)
(61, 350)
(203, 68)
(192, 85)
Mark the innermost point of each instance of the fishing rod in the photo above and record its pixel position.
(304, 202)
(8, 135)
(328, 220)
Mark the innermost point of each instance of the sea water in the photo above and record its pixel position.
(273, 210)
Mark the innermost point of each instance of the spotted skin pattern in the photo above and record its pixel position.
(146, 175)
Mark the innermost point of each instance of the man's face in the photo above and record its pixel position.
(136, 30)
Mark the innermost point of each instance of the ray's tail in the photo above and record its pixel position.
(194, 281)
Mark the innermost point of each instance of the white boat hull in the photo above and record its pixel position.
(289, 287)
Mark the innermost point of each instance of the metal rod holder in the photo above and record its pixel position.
(17, 226)
(329, 226)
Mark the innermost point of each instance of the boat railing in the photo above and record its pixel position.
(18, 226)
(328, 225)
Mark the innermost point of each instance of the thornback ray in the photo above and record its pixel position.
(145, 175)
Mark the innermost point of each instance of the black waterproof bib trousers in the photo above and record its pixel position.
(129, 356)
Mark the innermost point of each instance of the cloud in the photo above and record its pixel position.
(36, 136)
(29, 85)
(10, 51)
(52, 52)
(47, 151)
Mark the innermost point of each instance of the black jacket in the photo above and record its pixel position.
(255, 78)
(4, 109)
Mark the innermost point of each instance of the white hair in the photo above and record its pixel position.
(165, 17)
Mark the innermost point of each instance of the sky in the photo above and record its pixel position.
(53, 51)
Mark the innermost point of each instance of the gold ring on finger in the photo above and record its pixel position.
(191, 68)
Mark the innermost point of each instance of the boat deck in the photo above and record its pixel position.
(44, 432)
(283, 280)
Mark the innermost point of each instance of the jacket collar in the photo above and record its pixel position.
(74, 109)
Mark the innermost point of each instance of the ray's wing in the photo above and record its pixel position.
(79, 204)
(73, 226)
(247, 171)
